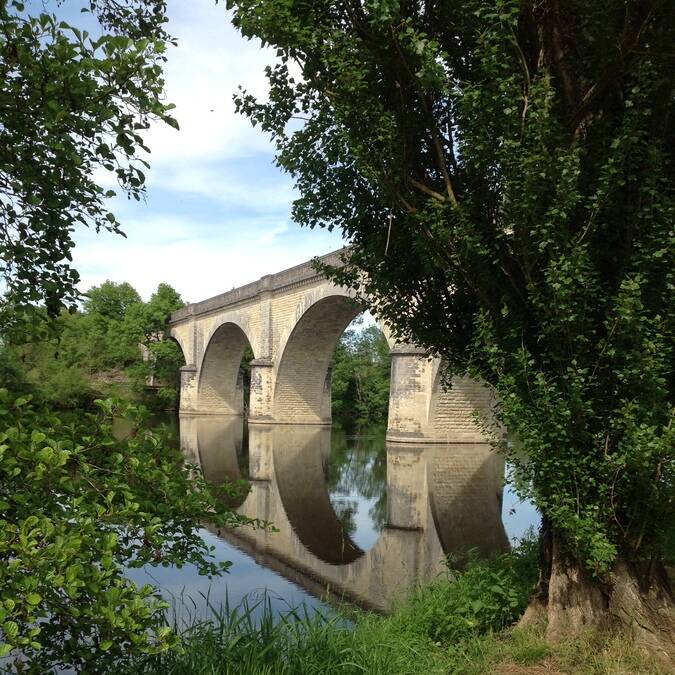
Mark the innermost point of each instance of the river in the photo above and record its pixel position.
(355, 519)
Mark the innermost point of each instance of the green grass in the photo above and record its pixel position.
(461, 624)
(297, 643)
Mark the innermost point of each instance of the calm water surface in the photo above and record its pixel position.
(358, 519)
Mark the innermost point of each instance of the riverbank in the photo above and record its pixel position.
(462, 623)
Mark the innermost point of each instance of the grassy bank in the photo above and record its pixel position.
(462, 623)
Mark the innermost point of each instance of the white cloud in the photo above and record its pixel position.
(202, 73)
(217, 211)
(198, 262)
(225, 183)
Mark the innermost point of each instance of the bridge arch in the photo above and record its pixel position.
(302, 387)
(183, 341)
(221, 384)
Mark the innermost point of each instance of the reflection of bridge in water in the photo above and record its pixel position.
(439, 499)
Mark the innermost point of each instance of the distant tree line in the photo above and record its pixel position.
(97, 350)
(360, 377)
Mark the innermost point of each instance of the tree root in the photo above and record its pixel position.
(636, 601)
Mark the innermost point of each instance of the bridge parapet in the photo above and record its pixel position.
(305, 272)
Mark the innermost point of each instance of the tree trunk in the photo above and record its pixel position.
(637, 600)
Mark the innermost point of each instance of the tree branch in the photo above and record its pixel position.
(427, 190)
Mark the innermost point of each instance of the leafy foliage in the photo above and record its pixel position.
(72, 104)
(360, 377)
(75, 505)
(110, 301)
(504, 173)
(483, 596)
(98, 351)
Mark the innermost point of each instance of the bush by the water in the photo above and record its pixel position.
(460, 624)
(484, 596)
(78, 504)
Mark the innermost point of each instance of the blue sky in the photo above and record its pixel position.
(217, 213)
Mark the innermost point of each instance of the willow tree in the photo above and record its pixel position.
(504, 169)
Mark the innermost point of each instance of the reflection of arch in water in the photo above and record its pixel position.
(440, 499)
(221, 383)
(221, 451)
(402, 555)
(300, 456)
(465, 495)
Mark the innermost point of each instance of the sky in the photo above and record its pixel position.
(217, 210)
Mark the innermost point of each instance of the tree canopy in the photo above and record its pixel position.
(74, 105)
(504, 171)
(110, 301)
(78, 503)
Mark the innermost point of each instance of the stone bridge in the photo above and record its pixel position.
(292, 321)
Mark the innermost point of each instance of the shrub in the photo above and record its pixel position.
(76, 504)
(485, 595)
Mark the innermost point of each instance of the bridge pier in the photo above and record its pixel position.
(408, 393)
(261, 399)
(189, 382)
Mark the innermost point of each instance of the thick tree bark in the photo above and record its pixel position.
(636, 600)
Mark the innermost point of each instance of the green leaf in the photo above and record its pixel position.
(10, 629)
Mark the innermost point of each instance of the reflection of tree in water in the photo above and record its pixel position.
(345, 510)
(357, 467)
